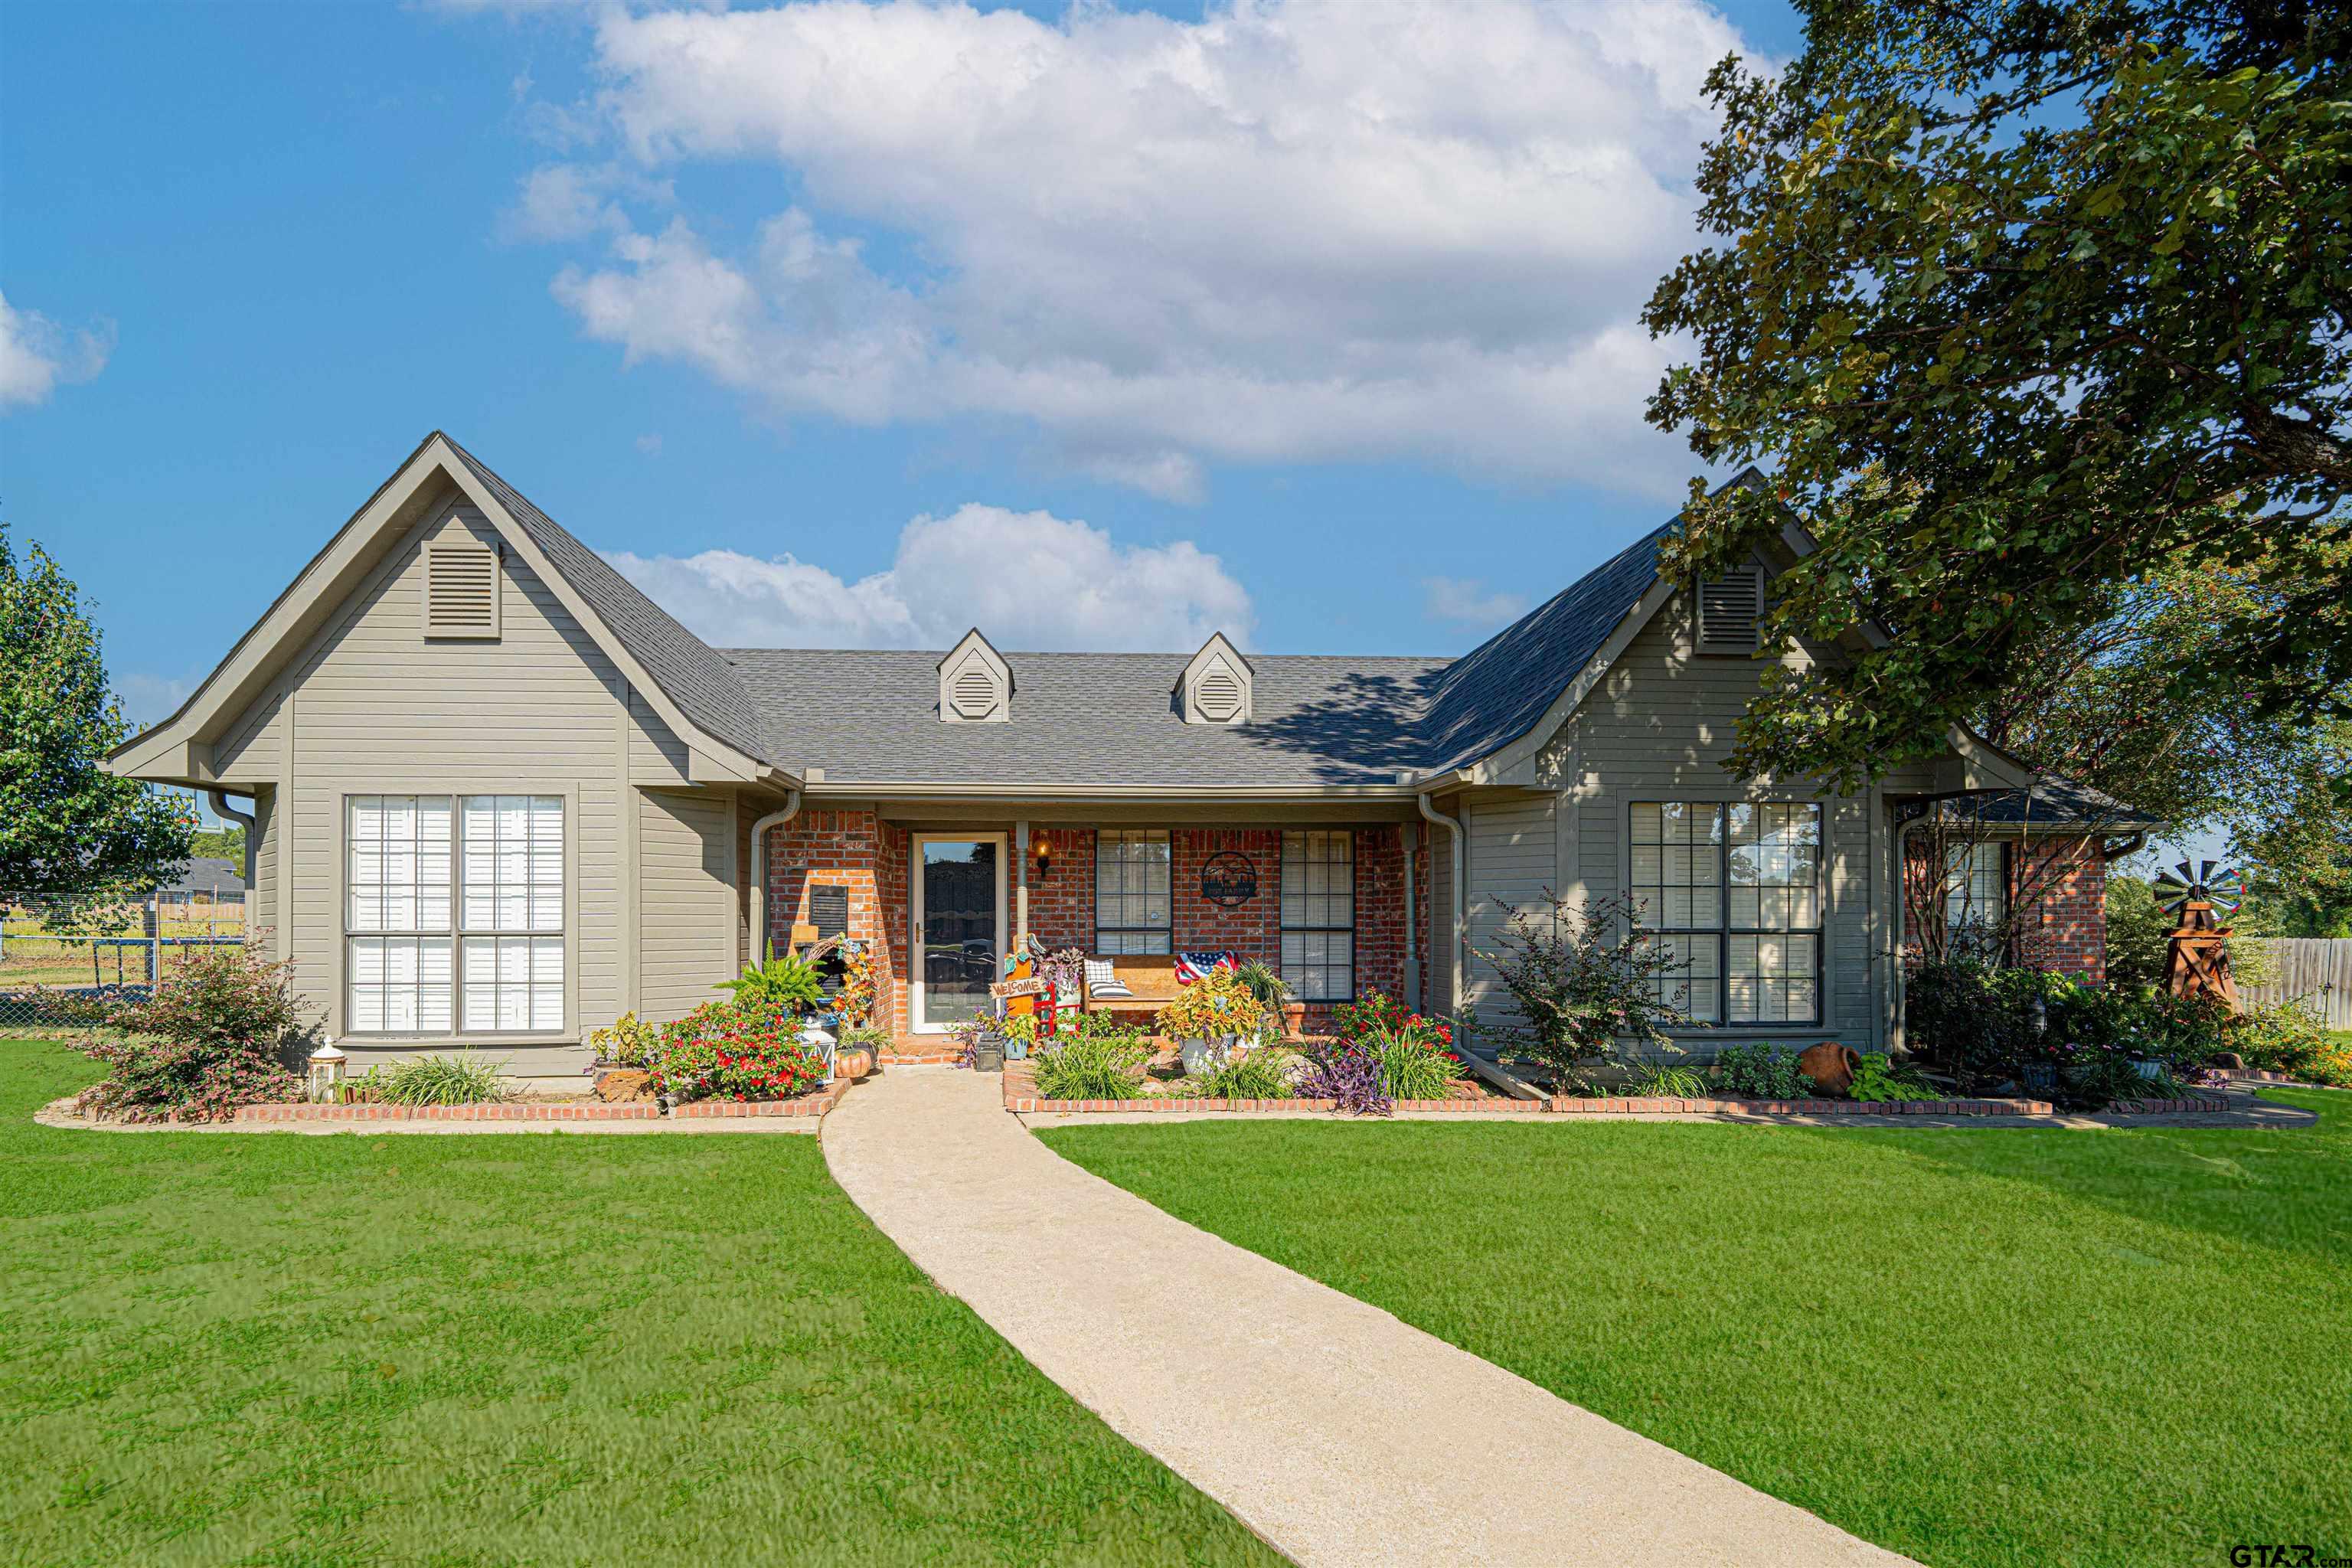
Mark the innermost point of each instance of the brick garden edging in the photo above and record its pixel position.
(2163, 1107)
(486, 1110)
(1571, 1105)
(815, 1104)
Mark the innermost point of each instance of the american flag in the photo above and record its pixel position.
(1192, 966)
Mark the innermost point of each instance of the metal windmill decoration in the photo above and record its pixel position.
(2196, 962)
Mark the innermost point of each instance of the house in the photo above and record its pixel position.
(204, 879)
(499, 797)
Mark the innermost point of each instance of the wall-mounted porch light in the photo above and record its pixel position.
(1041, 857)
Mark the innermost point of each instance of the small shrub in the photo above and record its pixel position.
(1877, 1079)
(1372, 1010)
(730, 1051)
(1585, 981)
(1338, 1071)
(203, 1044)
(1761, 1072)
(865, 1037)
(1211, 1008)
(461, 1079)
(786, 981)
(2291, 1038)
(1414, 1064)
(628, 1041)
(1662, 1082)
(1260, 1074)
(1095, 1064)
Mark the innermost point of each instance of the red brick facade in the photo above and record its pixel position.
(2059, 890)
(871, 857)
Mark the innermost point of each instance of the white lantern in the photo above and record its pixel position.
(326, 1072)
(820, 1043)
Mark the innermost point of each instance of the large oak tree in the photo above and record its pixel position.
(2023, 307)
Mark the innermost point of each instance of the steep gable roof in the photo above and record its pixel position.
(686, 667)
(694, 690)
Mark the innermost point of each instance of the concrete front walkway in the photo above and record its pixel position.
(1338, 1433)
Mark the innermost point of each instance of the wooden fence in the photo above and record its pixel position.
(2319, 969)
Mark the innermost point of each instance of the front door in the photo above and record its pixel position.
(959, 920)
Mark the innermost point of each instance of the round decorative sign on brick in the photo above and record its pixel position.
(1229, 878)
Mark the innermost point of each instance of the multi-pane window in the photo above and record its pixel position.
(1734, 893)
(1318, 914)
(456, 916)
(1976, 889)
(1131, 890)
(398, 960)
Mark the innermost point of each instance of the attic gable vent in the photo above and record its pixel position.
(975, 683)
(1218, 695)
(1727, 608)
(1216, 688)
(974, 691)
(461, 591)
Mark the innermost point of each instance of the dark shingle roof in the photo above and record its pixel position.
(2057, 803)
(685, 668)
(206, 874)
(1494, 693)
(872, 717)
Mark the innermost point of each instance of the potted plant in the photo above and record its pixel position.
(1281, 1016)
(984, 1046)
(1208, 1017)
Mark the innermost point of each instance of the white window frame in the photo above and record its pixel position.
(1164, 934)
(456, 930)
(1291, 921)
(1718, 941)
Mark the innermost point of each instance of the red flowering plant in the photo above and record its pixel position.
(1412, 1054)
(727, 1051)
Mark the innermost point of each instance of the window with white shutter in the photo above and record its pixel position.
(455, 918)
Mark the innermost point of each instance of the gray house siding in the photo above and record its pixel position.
(688, 892)
(371, 706)
(1661, 727)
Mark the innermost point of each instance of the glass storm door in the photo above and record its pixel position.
(959, 898)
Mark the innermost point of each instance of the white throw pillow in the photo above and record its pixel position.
(1104, 981)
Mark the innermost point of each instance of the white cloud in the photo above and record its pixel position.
(1468, 602)
(36, 355)
(1029, 579)
(1465, 601)
(650, 443)
(151, 699)
(1294, 230)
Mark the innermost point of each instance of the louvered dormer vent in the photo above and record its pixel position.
(975, 691)
(1219, 695)
(1727, 608)
(461, 591)
(975, 683)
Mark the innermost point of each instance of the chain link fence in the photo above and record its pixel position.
(57, 959)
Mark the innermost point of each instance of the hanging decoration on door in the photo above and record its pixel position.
(1229, 878)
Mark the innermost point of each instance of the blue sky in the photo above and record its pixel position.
(265, 248)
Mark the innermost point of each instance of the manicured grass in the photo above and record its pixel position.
(1997, 1346)
(445, 1350)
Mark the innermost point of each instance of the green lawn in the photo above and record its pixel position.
(445, 1350)
(1983, 1347)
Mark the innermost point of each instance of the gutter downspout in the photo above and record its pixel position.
(2130, 845)
(218, 801)
(1409, 838)
(759, 870)
(1453, 825)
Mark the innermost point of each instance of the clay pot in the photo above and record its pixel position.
(1830, 1065)
(853, 1063)
(1293, 1020)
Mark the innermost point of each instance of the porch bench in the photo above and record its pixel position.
(1150, 975)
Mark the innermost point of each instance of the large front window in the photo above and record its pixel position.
(1318, 915)
(456, 915)
(1132, 891)
(1733, 891)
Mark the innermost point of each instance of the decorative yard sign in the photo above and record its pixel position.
(1229, 878)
